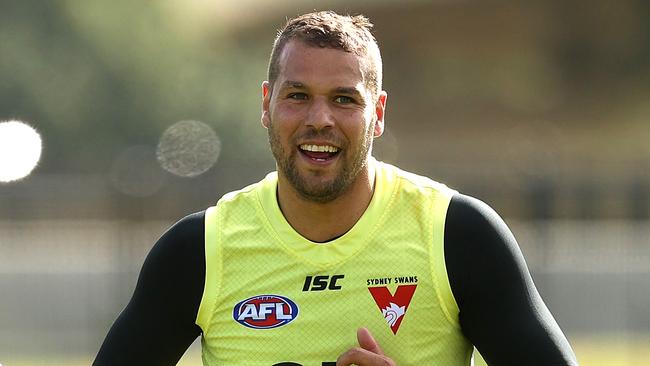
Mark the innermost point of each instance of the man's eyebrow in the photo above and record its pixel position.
(348, 90)
(292, 84)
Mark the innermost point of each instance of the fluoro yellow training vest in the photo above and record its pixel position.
(272, 297)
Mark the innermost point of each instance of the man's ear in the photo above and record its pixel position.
(380, 112)
(266, 101)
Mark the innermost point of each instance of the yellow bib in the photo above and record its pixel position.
(272, 297)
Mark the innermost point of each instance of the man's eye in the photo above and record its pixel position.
(343, 99)
(298, 96)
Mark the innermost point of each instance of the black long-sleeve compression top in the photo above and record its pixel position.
(501, 312)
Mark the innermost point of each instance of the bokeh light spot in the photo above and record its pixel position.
(188, 148)
(20, 150)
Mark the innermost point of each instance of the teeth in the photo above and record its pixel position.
(319, 148)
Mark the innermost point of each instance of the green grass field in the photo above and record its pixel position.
(591, 350)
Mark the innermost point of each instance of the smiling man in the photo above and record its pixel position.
(336, 258)
(322, 115)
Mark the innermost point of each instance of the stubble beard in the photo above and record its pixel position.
(322, 192)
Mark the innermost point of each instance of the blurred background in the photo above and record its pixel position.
(149, 111)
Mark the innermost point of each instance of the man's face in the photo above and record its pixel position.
(321, 120)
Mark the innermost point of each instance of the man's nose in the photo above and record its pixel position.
(320, 114)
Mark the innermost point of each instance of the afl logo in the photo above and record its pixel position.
(265, 311)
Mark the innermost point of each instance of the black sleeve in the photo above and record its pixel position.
(158, 324)
(501, 312)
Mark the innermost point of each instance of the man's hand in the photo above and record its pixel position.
(367, 354)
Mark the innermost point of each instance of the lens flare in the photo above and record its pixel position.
(20, 150)
(188, 148)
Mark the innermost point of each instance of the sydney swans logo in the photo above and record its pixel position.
(393, 307)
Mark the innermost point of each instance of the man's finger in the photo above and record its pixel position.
(362, 357)
(367, 341)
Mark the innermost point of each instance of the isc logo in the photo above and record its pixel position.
(320, 283)
(265, 311)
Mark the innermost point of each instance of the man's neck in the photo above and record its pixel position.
(321, 222)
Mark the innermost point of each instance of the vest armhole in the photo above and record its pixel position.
(443, 287)
(208, 300)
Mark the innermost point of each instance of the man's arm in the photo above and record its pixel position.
(501, 312)
(158, 324)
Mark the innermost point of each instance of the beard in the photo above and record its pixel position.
(353, 162)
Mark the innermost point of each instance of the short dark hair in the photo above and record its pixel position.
(327, 29)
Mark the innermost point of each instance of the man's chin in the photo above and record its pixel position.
(319, 197)
(321, 191)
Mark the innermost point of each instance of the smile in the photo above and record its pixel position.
(319, 153)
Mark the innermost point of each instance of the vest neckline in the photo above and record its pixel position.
(339, 249)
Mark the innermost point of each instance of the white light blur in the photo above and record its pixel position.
(20, 150)
(188, 148)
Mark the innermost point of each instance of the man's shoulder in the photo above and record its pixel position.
(187, 229)
(472, 211)
(467, 209)
(411, 181)
(190, 220)
(472, 225)
(269, 181)
(180, 248)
